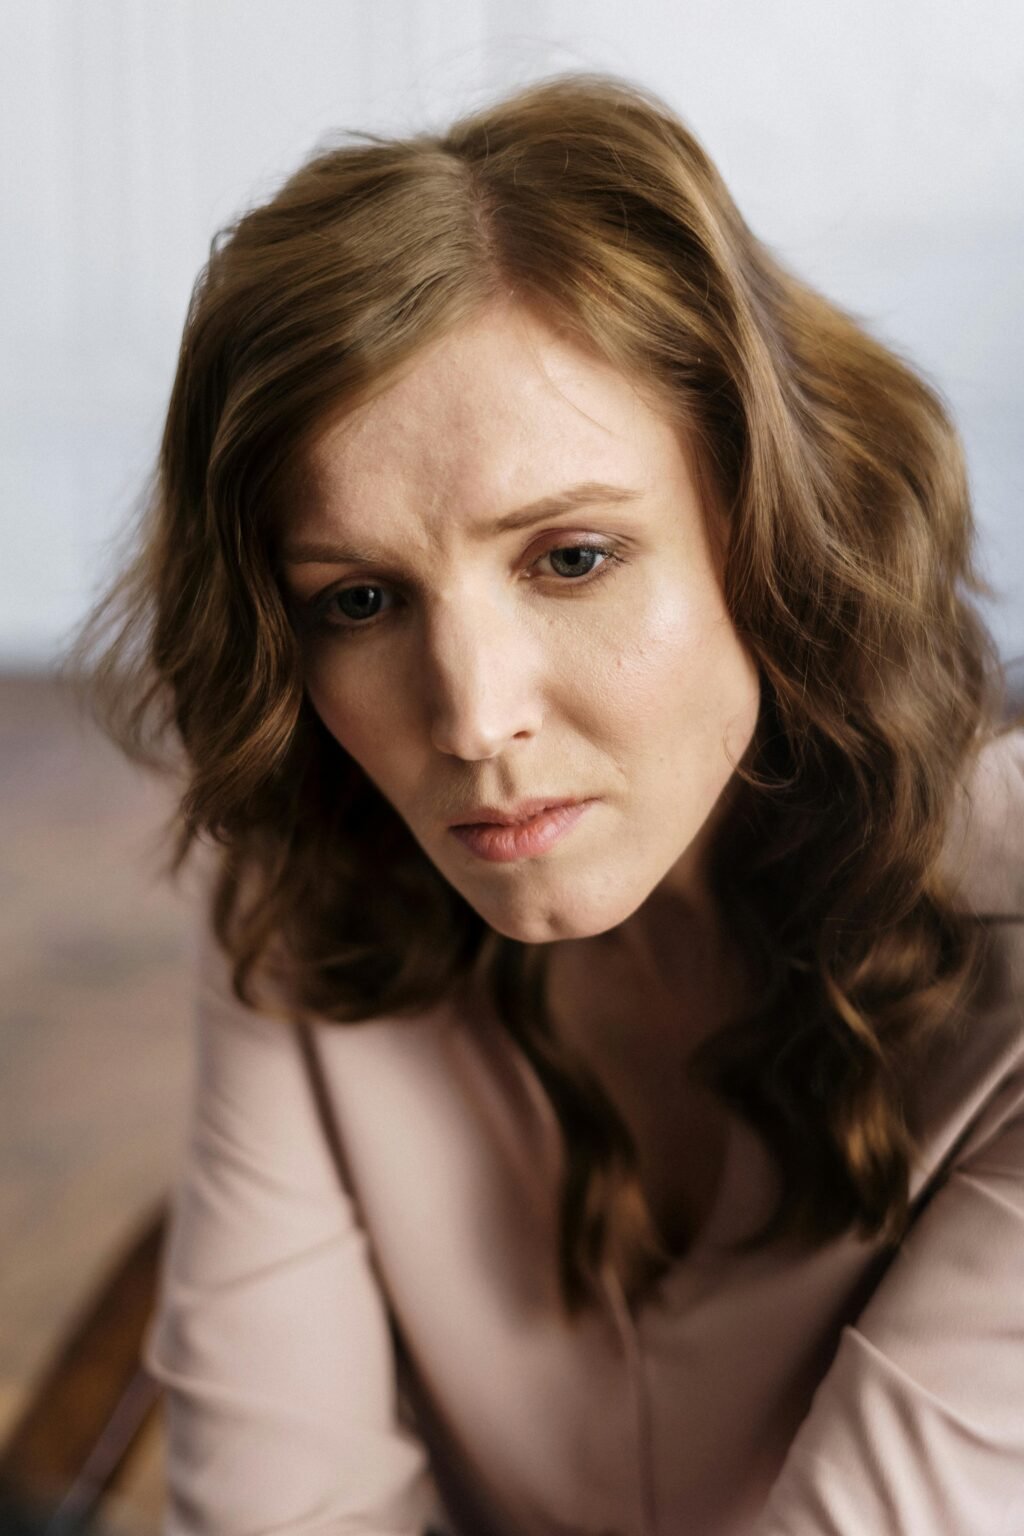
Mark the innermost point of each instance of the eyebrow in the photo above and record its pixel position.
(589, 493)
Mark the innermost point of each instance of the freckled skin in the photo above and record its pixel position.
(484, 679)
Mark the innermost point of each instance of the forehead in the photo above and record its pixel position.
(494, 413)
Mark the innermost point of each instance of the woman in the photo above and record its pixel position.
(609, 1108)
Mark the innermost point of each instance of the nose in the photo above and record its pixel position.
(482, 680)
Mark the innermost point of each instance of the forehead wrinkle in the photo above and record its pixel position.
(541, 354)
(458, 414)
(409, 463)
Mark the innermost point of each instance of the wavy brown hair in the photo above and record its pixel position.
(847, 571)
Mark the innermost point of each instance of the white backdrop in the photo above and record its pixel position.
(877, 146)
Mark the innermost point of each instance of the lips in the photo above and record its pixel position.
(486, 815)
(504, 843)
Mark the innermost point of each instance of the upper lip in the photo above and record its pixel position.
(506, 816)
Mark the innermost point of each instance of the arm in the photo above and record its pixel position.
(918, 1427)
(271, 1336)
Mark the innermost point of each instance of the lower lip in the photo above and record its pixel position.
(526, 839)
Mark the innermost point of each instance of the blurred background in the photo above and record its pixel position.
(878, 148)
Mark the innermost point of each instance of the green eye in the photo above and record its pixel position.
(347, 610)
(579, 552)
(363, 601)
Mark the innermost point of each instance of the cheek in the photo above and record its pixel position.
(353, 711)
(679, 685)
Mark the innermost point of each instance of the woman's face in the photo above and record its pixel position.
(583, 653)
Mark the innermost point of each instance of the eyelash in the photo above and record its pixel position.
(313, 612)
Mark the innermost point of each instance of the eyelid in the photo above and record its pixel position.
(311, 610)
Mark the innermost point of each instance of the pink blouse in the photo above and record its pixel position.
(358, 1329)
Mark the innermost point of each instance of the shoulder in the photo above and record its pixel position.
(973, 1082)
(984, 850)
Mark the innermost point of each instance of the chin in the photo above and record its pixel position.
(548, 920)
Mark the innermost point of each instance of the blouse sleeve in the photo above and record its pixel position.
(271, 1336)
(918, 1427)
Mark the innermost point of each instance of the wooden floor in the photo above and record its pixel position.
(94, 1031)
